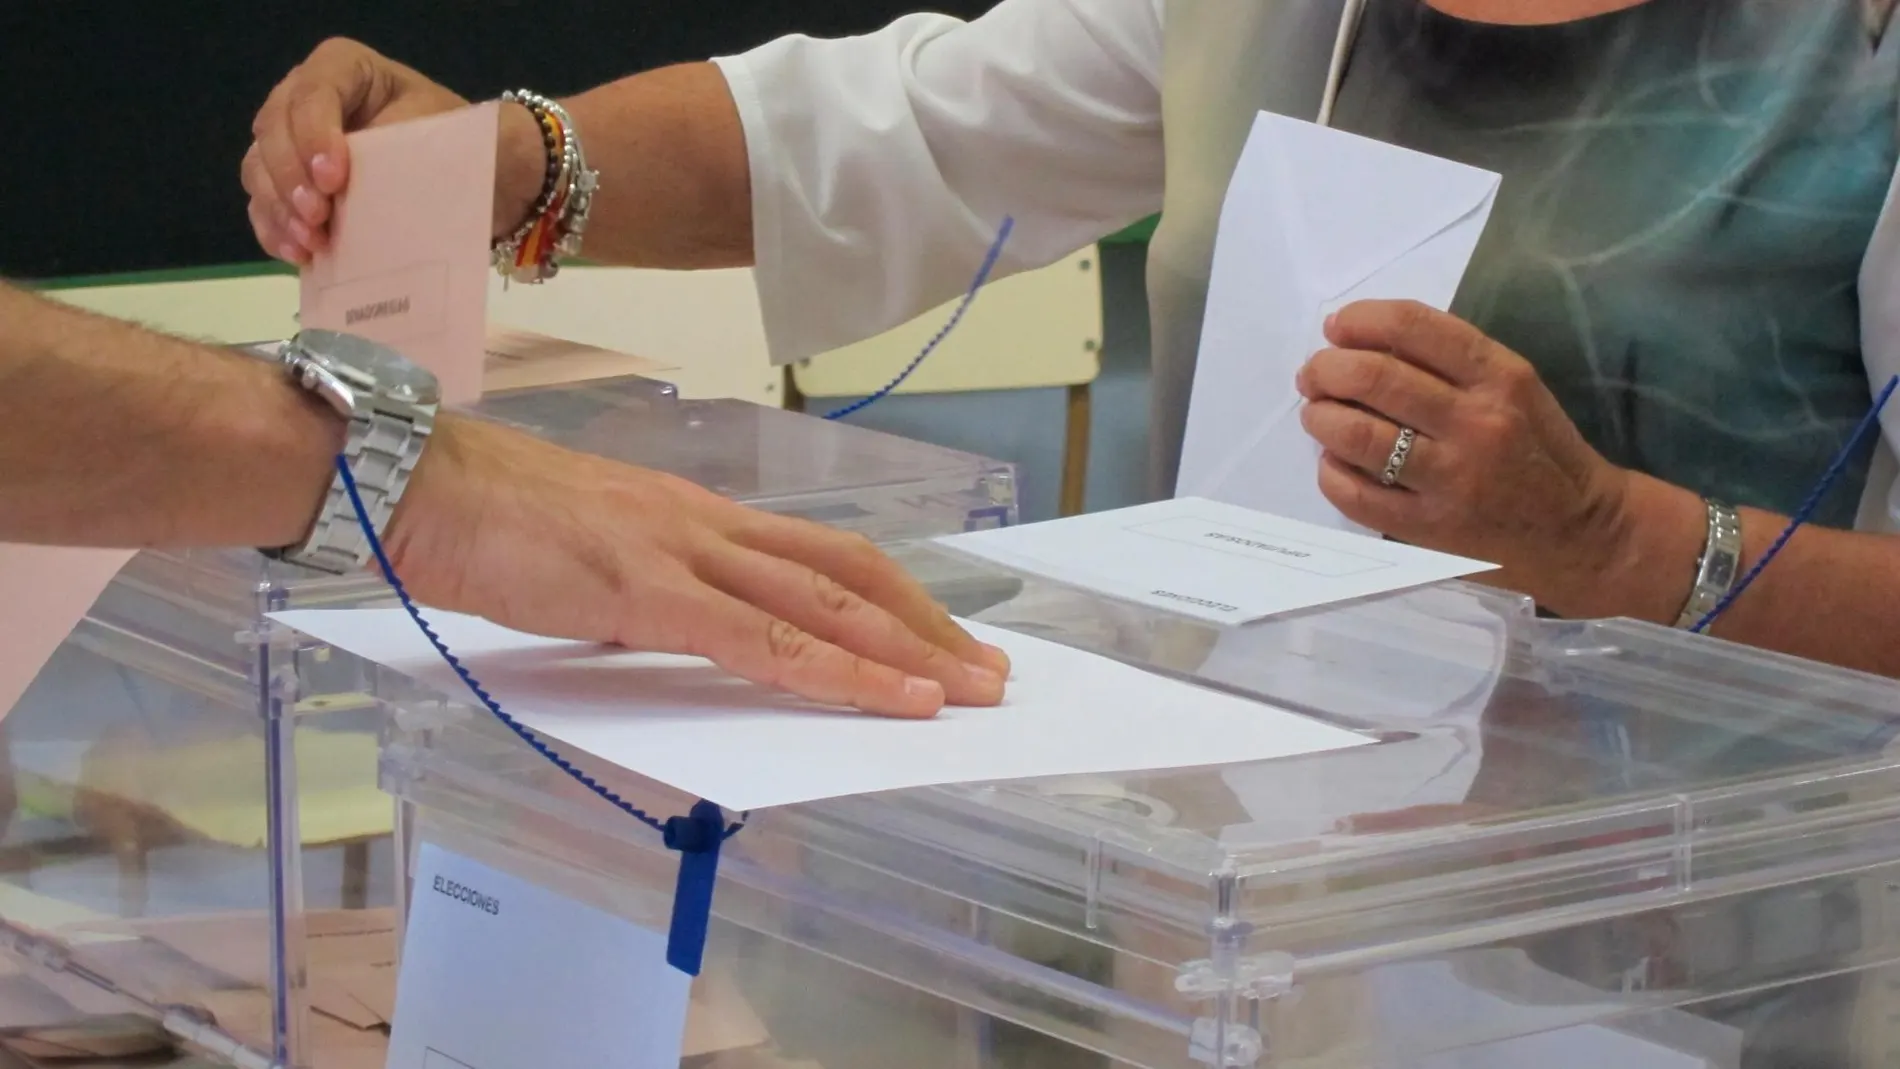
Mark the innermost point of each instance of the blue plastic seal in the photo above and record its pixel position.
(697, 838)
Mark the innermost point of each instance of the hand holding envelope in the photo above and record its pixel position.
(1326, 335)
(1497, 469)
(1314, 220)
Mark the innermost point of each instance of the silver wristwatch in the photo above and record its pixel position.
(391, 406)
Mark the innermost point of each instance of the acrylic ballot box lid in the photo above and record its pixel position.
(1631, 838)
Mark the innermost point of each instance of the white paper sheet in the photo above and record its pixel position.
(1314, 220)
(1211, 560)
(501, 974)
(684, 723)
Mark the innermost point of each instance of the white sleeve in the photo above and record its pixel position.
(883, 165)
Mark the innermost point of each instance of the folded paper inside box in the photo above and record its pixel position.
(521, 359)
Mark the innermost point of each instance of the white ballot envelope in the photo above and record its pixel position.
(1314, 220)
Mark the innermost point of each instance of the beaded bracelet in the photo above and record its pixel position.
(555, 225)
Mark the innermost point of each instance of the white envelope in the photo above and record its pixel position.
(1314, 220)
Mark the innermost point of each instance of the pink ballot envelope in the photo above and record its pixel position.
(408, 258)
(44, 592)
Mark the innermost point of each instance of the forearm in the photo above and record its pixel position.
(1830, 595)
(111, 435)
(675, 191)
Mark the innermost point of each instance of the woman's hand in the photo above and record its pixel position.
(300, 160)
(1497, 471)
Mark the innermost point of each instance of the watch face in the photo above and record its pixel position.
(369, 365)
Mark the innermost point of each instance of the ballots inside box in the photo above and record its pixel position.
(351, 956)
(91, 1040)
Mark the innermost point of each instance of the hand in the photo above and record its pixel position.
(541, 539)
(300, 159)
(1497, 471)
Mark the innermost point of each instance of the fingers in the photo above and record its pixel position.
(1365, 441)
(315, 117)
(269, 218)
(1360, 497)
(300, 158)
(316, 129)
(1386, 385)
(268, 225)
(1439, 342)
(816, 604)
(284, 165)
(342, 84)
(857, 565)
(756, 646)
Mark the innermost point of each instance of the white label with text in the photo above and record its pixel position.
(500, 973)
(1266, 547)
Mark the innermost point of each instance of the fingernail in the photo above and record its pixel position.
(919, 687)
(983, 679)
(306, 203)
(300, 232)
(327, 173)
(290, 253)
(1331, 321)
(998, 660)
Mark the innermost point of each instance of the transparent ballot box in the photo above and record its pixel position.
(195, 835)
(1570, 844)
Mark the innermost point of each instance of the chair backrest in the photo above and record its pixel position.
(704, 323)
(1038, 329)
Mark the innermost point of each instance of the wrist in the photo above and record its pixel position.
(1644, 568)
(299, 437)
(521, 165)
(440, 502)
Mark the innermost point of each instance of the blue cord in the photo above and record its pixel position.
(969, 298)
(697, 837)
(1806, 511)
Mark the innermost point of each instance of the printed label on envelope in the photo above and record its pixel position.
(408, 259)
(1266, 547)
(399, 307)
(501, 973)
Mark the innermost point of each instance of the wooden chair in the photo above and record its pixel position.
(1036, 330)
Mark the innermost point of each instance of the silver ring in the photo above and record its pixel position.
(1401, 452)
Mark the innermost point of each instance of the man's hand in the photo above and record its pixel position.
(300, 159)
(541, 539)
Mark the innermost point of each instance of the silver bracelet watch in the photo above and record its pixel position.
(1719, 567)
(391, 406)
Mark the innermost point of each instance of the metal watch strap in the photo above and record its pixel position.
(381, 450)
(1719, 567)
